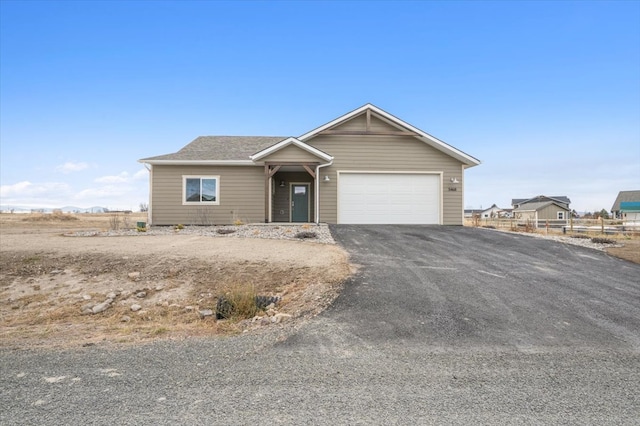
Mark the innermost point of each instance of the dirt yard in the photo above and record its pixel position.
(53, 287)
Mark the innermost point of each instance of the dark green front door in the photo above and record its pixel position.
(299, 202)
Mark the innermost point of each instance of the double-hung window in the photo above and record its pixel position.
(200, 190)
(560, 215)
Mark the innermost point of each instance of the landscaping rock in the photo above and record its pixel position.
(134, 275)
(101, 307)
(135, 307)
(280, 317)
(141, 294)
(206, 313)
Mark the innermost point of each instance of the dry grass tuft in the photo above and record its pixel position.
(51, 217)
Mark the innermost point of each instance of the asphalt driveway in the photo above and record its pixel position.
(442, 325)
(466, 286)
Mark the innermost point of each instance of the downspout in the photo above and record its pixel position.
(317, 191)
(150, 168)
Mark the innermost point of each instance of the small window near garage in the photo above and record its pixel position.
(200, 190)
(560, 215)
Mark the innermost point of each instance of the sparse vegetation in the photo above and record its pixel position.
(238, 303)
(225, 231)
(56, 216)
(306, 234)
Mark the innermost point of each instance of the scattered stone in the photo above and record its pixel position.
(86, 297)
(159, 287)
(56, 272)
(141, 294)
(206, 313)
(280, 317)
(101, 307)
(125, 318)
(135, 307)
(111, 296)
(134, 275)
(189, 308)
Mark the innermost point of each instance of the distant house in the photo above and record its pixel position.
(469, 213)
(542, 210)
(560, 199)
(495, 212)
(627, 206)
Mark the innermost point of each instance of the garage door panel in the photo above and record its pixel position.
(389, 198)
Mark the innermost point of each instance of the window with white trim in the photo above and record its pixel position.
(200, 190)
(560, 215)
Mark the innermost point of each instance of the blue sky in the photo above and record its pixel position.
(545, 94)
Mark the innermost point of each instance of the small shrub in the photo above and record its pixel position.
(224, 231)
(141, 229)
(581, 236)
(238, 303)
(178, 227)
(597, 240)
(306, 234)
(238, 222)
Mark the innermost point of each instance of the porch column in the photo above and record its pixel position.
(267, 193)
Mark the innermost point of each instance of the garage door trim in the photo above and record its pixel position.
(394, 172)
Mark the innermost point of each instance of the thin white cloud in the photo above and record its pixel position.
(28, 189)
(141, 174)
(70, 167)
(120, 178)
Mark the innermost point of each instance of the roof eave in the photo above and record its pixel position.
(199, 162)
(291, 141)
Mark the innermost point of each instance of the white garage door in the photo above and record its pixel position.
(388, 198)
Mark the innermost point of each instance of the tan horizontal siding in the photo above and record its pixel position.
(388, 153)
(241, 196)
(292, 153)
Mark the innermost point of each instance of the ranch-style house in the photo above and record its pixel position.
(364, 167)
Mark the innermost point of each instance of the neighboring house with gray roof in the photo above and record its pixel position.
(627, 206)
(542, 210)
(366, 166)
(560, 199)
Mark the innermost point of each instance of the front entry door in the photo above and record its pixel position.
(299, 202)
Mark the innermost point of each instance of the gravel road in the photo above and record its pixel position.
(440, 325)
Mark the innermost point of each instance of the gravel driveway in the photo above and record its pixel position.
(441, 325)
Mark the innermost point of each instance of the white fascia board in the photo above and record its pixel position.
(291, 141)
(468, 160)
(199, 162)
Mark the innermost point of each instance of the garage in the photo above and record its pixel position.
(388, 198)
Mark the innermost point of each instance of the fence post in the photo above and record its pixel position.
(571, 222)
(602, 224)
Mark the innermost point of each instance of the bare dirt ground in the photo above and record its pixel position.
(47, 280)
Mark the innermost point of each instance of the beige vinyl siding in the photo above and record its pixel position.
(387, 153)
(291, 153)
(551, 212)
(241, 196)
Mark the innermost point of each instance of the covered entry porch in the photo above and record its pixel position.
(291, 192)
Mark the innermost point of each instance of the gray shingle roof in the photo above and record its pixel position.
(220, 148)
(538, 206)
(625, 197)
(561, 198)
